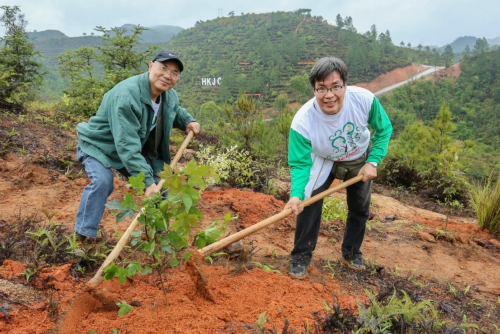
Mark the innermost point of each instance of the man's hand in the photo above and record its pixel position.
(295, 204)
(193, 126)
(152, 189)
(369, 172)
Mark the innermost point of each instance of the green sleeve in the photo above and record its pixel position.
(182, 118)
(380, 123)
(125, 126)
(299, 159)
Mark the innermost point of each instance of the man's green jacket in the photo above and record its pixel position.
(117, 133)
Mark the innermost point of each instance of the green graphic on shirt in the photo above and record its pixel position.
(344, 140)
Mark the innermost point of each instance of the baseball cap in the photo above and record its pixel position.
(168, 55)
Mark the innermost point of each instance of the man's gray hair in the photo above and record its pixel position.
(324, 67)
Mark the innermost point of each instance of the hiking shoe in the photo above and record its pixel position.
(80, 237)
(356, 261)
(299, 269)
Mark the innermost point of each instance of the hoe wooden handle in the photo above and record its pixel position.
(124, 239)
(260, 225)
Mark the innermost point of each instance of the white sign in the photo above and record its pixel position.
(211, 81)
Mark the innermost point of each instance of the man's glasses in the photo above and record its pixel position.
(164, 69)
(324, 90)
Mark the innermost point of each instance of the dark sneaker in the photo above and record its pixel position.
(356, 261)
(299, 269)
(80, 237)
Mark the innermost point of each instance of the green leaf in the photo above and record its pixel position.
(124, 213)
(187, 256)
(128, 201)
(146, 246)
(110, 272)
(196, 181)
(213, 232)
(124, 308)
(137, 182)
(174, 239)
(166, 175)
(193, 194)
(133, 268)
(200, 242)
(173, 262)
(147, 270)
(196, 212)
(188, 202)
(123, 277)
(136, 234)
(114, 205)
(190, 168)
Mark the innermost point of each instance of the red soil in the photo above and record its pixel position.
(400, 238)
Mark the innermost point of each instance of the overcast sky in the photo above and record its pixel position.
(430, 22)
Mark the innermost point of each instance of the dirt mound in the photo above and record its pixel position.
(391, 78)
(452, 72)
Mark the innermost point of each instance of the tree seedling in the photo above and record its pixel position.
(124, 308)
(166, 224)
(330, 266)
(266, 267)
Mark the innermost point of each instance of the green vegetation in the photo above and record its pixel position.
(165, 223)
(82, 68)
(333, 208)
(485, 200)
(20, 72)
(473, 100)
(261, 53)
(401, 314)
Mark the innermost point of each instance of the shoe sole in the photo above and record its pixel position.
(298, 277)
(348, 263)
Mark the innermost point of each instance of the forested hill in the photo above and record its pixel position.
(260, 53)
(53, 42)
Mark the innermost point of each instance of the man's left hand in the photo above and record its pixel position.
(369, 172)
(193, 126)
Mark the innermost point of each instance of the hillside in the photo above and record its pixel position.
(460, 43)
(406, 247)
(257, 54)
(260, 53)
(53, 42)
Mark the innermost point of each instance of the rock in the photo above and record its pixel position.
(63, 178)
(318, 287)
(495, 243)
(480, 242)
(425, 236)
(463, 238)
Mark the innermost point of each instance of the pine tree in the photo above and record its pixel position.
(448, 55)
(21, 75)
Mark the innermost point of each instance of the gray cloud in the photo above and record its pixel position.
(430, 22)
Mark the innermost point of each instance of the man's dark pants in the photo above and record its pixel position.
(308, 222)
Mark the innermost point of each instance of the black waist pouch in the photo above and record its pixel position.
(345, 170)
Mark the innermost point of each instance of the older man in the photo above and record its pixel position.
(330, 139)
(130, 133)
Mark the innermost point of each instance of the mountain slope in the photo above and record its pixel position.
(260, 53)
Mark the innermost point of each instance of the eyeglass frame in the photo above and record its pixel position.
(165, 69)
(335, 89)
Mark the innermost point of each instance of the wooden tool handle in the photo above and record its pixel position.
(260, 225)
(124, 239)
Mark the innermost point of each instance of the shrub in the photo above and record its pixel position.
(485, 200)
(333, 208)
